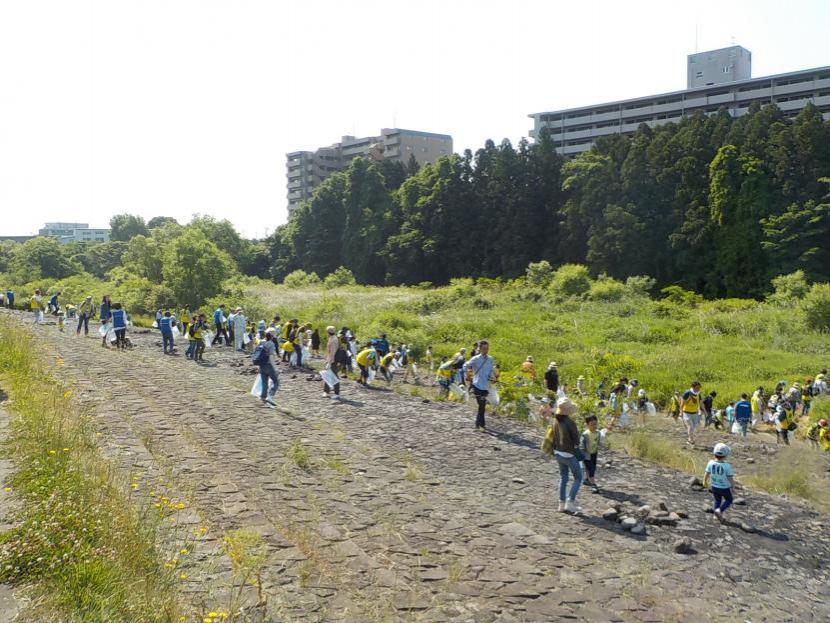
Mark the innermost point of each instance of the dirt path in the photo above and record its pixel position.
(404, 513)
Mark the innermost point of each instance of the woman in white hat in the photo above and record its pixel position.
(566, 452)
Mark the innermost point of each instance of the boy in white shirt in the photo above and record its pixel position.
(721, 476)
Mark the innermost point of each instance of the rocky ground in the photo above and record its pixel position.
(385, 507)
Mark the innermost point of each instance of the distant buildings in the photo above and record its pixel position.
(307, 169)
(716, 79)
(74, 232)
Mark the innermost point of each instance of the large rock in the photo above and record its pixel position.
(683, 546)
(628, 522)
(610, 514)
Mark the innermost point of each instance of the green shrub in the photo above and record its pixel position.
(679, 296)
(539, 273)
(607, 289)
(816, 307)
(788, 289)
(300, 279)
(340, 277)
(571, 280)
(640, 285)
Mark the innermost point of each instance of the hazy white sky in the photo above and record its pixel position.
(180, 106)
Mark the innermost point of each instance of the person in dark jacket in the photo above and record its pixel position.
(105, 313)
(566, 452)
(552, 378)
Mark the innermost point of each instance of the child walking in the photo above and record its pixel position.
(720, 475)
(590, 442)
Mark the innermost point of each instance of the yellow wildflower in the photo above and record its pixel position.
(135, 486)
(67, 393)
(7, 489)
(179, 506)
(52, 452)
(183, 550)
(183, 576)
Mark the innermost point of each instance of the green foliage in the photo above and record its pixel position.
(607, 289)
(195, 268)
(126, 226)
(679, 296)
(41, 258)
(816, 307)
(300, 278)
(539, 273)
(571, 280)
(789, 289)
(340, 277)
(640, 285)
(160, 221)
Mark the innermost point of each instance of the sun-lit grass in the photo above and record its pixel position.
(81, 541)
(649, 447)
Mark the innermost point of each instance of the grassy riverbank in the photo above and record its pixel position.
(81, 548)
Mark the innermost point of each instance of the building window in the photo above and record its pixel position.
(699, 74)
(727, 69)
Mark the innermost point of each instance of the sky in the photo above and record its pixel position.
(177, 107)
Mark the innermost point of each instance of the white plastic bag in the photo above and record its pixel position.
(372, 373)
(175, 331)
(306, 353)
(102, 330)
(493, 397)
(40, 316)
(111, 335)
(736, 428)
(355, 366)
(155, 324)
(457, 391)
(651, 409)
(207, 338)
(414, 369)
(330, 378)
(245, 339)
(256, 390)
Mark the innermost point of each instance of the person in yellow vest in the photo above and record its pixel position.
(529, 368)
(674, 406)
(285, 342)
(690, 408)
(386, 364)
(824, 435)
(366, 358)
(36, 305)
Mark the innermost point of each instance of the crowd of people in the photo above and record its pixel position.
(466, 374)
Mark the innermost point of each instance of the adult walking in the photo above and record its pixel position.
(85, 311)
(552, 378)
(690, 407)
(119, 325)
(332, 346)
(166, 328)
(239, 329)
(743, 414)
(264, 356)
(53, 304)
(482, 367)
(105, 315)
(219, 322)
(36, 305)
(10, 298)
(567, 454)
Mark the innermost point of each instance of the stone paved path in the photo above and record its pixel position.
(405, 514)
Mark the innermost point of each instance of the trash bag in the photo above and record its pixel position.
(292, 360)
(372, 373)
(175, 331)
(456, 391)
(414, 369)
(111, 336)
(245, 339)
(102, 330)
(651, 409)
(493, 397)
(330, 378)
(207, 339)
(306, 353)
(355, 366)
(256, 390)
(40, 316)
(736, 428)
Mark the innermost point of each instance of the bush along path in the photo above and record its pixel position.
(382, 507)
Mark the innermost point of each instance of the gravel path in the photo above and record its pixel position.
(404, 513)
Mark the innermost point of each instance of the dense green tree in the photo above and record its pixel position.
(101, 258)
(194, 267)
(221, 233)
(800, 239)
(159, 221)
(41, 258)
(126, 226)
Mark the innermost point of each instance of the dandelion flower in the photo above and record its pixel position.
(52, 452)
(179, 506)
(135, 486)
(212, 614)
(183, 550)
(183, 576)
(7, 489)
(202, 529)
(67, 393)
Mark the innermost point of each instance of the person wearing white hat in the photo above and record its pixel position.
(552, 378)
(721, 476)
(567, 454)
(239, 321)
(85, 311)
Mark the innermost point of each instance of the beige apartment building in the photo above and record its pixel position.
(716, 79)
(306, 170)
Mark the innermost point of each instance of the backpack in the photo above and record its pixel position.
(260, 355)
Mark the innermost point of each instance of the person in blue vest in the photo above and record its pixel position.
(105, 314)
(52, 306)
(166, 328)
(220, 322)
(10, 299)
(119, 324)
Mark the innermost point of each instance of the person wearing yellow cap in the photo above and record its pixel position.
(365, 359)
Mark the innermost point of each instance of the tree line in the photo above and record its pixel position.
(715, 204)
